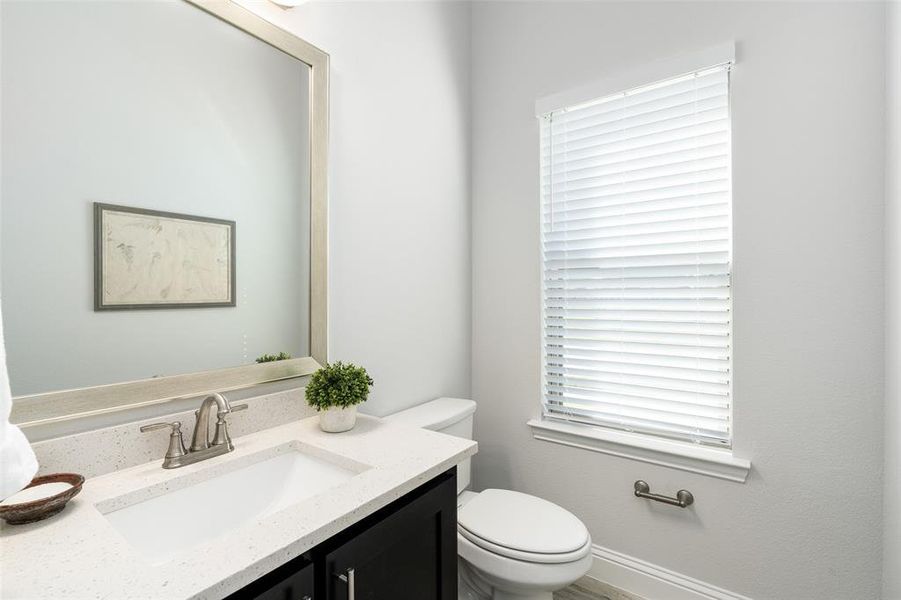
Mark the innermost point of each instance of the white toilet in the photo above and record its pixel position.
(511, 546)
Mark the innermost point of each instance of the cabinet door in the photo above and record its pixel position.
(411, 554)
(292, 581)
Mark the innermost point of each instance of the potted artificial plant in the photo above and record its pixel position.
(335, 390)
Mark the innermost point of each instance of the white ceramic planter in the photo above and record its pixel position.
(336, 420)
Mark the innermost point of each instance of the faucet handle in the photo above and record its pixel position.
(176, 441)
(221, 436)
(221, 413)
(154, 426)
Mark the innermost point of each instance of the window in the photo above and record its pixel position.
(637, 251)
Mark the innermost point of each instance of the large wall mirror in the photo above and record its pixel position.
(163, 217)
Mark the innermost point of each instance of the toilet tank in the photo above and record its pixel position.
(452, 416)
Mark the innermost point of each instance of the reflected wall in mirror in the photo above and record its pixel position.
(162, 107)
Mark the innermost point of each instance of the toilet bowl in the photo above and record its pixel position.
(510, 545)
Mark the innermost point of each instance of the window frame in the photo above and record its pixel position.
(648, 448)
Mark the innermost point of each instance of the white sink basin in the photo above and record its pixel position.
(168, 524)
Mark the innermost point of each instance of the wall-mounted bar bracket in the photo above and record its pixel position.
(683, 498)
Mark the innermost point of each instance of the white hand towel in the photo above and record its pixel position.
(17, 462)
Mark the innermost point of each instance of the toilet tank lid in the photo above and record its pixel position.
(435, 414)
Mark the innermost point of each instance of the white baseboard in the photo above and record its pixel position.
(650, 581)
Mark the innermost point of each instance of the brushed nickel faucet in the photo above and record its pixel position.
(202, 447)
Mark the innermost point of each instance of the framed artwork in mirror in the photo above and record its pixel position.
(147, 259)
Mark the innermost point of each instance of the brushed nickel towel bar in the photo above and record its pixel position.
(683, 498)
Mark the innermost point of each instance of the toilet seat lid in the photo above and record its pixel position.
(523, 523)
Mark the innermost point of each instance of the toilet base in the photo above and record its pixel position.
(471, 586)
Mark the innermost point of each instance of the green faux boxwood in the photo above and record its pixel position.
(338, 385)
(274, 357)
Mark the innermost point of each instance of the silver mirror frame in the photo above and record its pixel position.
(38, 410)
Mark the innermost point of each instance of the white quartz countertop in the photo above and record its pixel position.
(78, 554)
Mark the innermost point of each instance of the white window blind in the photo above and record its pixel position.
(637, 252)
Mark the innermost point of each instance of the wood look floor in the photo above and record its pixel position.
(592, 589)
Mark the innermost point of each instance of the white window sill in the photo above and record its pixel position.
(687, 457)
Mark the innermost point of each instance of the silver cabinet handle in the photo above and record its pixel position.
(348, 578)
(683, 498)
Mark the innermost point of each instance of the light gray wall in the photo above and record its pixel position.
(155, 105)
(399, 220)
(808, 209)
(892, 501)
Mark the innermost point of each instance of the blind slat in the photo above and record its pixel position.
(584, 237)
(636, 272)
(631, 348)
(649, 259)
(597, 378)
(655, 283)
(560, 393)
(652, 202)
(707, 420)
(690, 328)
(582, 226)
(700, 364)
(637, 252)
(647, 417)
(676, 151)
(580, 366)
(607, 105)
(671, 124)
(611, 145)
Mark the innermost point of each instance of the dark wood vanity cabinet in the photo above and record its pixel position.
(405, 551)
(292, 581)
(407, 554)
